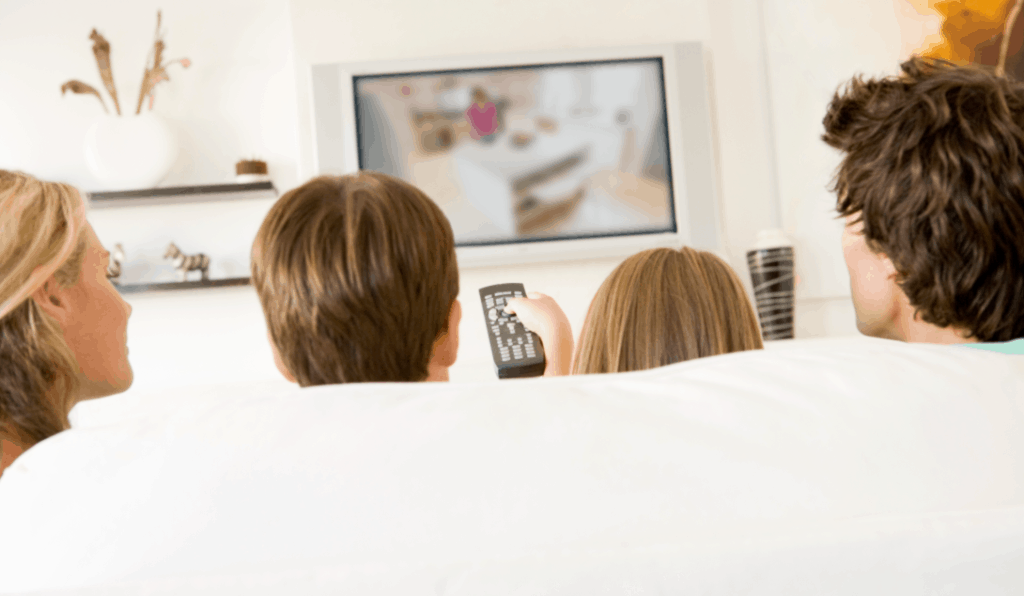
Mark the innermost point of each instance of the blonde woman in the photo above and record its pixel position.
(63, 325)
(658, 307)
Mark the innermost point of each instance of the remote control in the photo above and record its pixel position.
(517, 351)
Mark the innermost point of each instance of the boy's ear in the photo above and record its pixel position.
(281, 368)
(446, 348)
(52, 299)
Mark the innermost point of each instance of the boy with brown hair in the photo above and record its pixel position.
(932, 188)
(358, 281)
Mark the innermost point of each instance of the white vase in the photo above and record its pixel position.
(130, 152)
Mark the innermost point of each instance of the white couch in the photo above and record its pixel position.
(827, 467)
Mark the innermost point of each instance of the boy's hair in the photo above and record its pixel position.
(663, 306)
(934, 167)
(357, 276)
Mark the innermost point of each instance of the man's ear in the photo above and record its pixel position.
(888, 269)
(52, 299)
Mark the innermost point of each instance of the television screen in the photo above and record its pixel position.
(527, 153)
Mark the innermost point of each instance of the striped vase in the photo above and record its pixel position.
(771, 272)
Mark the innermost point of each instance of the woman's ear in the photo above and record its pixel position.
(52, 299)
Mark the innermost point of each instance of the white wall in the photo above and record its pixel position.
(239, 99)
(804, 72)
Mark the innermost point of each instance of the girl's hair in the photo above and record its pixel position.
(663, 306)
(40, 236)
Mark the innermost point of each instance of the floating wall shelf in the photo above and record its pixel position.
(139, 288)
(183, 194)
(173, 197)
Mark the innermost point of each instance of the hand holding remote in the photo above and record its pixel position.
(541, 314)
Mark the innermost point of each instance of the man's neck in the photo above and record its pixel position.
(912, 329)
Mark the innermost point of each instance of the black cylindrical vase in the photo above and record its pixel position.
(771, 272)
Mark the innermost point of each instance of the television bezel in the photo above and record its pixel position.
(328, 137)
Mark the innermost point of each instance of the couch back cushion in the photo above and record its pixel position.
(842, 453)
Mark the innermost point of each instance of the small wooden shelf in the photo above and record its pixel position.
(139, 288)
(183, 194)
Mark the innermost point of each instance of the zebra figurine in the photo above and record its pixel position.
(185, 263)
(116, 259)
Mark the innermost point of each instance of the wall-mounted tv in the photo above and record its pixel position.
(534, 156)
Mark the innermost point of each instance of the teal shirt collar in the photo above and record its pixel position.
(1015, 346)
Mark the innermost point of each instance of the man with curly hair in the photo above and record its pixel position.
(932, 188)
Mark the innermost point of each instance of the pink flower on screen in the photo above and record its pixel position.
(483, 120)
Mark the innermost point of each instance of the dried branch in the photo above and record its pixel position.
(157, 72)
(157, 75)
(101, 49)
(83, 89)
(1004, 48)
(158, 46)
(153, 60)
(146, 88)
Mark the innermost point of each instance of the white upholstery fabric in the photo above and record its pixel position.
(827, 467)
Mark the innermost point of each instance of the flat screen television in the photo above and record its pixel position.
(534, 156)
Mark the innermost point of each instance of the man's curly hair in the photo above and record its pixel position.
(934, 167)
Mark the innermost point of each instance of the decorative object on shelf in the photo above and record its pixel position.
(771, 272)
(185, 263)
(116, 260)
(251, 170)
(133, 151)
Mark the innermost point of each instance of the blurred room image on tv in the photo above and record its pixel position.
(528, 152)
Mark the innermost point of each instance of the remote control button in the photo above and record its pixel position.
(492, 315)
(511, 328)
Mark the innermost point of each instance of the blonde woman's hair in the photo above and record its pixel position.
(663, 306)
(41, 226)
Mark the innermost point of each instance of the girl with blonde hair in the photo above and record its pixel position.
(63, 325)
(658, 307)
